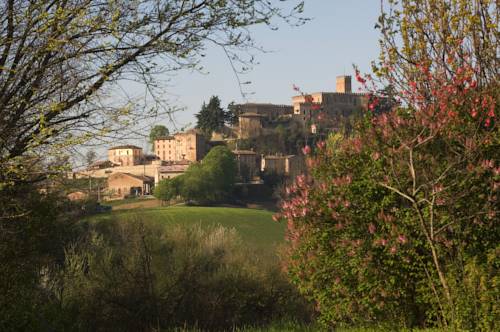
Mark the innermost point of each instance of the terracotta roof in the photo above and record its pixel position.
(125, 147)
(138, 177)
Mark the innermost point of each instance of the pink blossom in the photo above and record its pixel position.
(402, 239)
(306, 150)
(393, 250)
(321, 144)
(372, 228)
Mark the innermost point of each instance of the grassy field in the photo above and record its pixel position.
(255, 227)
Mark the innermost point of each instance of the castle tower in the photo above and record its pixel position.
(344, 84)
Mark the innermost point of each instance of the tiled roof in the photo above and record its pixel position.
(125, 147)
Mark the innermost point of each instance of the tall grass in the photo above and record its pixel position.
(139, 276)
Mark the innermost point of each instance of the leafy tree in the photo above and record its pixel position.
(167, 189)
(59, 60)
(211, 117)
(213, 179)
(157, 131)
(386, 227)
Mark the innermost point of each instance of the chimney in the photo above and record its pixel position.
(344, 84)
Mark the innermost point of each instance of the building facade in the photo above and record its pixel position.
(248, 164)
(250, 125)
(124, 184)
(125, 155)
(170, 171)
(186, 146)
(270, 112)
(329, 107)
(290, 165)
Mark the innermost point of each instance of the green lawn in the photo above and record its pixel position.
(255, 227)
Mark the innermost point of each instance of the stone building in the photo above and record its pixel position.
(189, 145)
(329, 107)
(171, 170)
(125, 155)
(248, 164)
(290, 165)
(123, 184)
(270, 112)
(250, 125)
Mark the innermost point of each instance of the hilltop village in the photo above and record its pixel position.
(265, 138)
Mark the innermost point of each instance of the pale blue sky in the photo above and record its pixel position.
(340, 34)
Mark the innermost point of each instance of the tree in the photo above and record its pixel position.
(211, 117)
(233, 113)
(213, 179)
(157, 131)
(168, 189)
(90, 157)
(386, 228)
(61, 60)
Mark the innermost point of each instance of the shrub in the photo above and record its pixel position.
(133, 276)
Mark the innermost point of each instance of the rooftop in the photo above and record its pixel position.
(125, 147)
(251, 114)
(250, 152)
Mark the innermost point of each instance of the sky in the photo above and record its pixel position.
(340, 33)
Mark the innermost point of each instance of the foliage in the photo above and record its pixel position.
(167, 189)
(212, 180)
(232, 114)
(60, 61)
(31, 250)
(90, 157)
(211, 117)
(288, 137)
(156, 132)
(398, 223)
(131, 276)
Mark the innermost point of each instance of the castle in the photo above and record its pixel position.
(129, 170)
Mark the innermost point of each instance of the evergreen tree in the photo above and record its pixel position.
(233, 112)
(211, 117)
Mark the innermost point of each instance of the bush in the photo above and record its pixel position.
(131, 276)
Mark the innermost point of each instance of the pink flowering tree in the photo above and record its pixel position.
(398, 224)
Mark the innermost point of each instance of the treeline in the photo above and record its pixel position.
(210, 181)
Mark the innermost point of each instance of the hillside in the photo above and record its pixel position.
(255, 227)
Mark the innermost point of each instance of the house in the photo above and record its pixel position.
(171, 170)
(189, 145)
(124, 184)
(248, 164)
(125, 155)
(270, 112)
(329, 108)
(250, 125)
(290, 165)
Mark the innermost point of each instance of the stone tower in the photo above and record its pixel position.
(344, 84)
